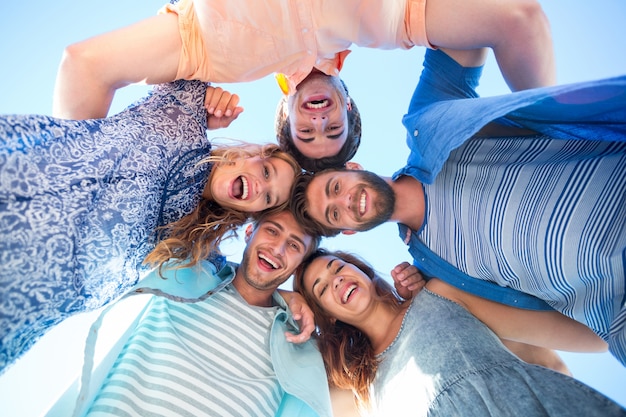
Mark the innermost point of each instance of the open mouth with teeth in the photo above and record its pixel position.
(362, 203)
(267, 262)
(348, 293)
(317, 104)
(240, 188)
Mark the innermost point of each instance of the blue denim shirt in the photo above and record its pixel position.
(299, 367)
(445, 111)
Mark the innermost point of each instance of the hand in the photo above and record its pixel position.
(303, 314)
(221, 107)
(408, 280)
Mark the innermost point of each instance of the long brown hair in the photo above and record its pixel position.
(348, 354)
(198, 234)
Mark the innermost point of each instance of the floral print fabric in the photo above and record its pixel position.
(80, 202)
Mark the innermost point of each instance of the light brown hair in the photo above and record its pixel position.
(198, 234)
(347, 352)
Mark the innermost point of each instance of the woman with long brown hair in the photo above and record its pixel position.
(440, 353)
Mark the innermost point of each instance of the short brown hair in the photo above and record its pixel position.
(347, 151)
(300, 206)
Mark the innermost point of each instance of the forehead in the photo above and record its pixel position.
(317, 266)
(321, 181)
(286, 222)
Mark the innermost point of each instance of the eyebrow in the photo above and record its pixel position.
(317, 280)
(282, 229)
(305, 140)
(327, 192)
(275, 174)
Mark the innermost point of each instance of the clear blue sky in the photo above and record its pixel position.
(590, 43)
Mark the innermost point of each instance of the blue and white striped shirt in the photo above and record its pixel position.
(544, 216)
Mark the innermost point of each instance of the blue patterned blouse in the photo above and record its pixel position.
(80, 201)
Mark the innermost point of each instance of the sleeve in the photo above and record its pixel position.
(444, 79)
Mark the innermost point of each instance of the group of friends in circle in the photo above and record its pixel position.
(512, 209)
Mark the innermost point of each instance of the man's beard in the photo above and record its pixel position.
(249, 274)
(383, 203)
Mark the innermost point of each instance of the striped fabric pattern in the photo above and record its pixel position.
(551, 214)
(199, 359)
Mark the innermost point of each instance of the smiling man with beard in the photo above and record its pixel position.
(215, 342)
(518, 198)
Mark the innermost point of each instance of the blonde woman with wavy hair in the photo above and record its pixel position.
(83, 202)
(220, 212)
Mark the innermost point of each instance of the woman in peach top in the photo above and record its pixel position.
(244, 40)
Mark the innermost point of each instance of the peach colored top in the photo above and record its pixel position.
(244, 40)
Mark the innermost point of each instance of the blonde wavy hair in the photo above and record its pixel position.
(198, 234)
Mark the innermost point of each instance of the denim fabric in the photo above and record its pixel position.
(445, 112)
(445, 362)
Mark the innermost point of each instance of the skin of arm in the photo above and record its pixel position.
(517, 30)
(92, 70)
(547, 329)
(547, 358)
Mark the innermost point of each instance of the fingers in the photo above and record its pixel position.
(219, 102)
(221, 106)
(307, 326)
(407, 279)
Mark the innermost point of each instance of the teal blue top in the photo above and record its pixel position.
(299, 367)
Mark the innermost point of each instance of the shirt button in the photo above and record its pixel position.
(305, 30)
(309, 52)
(415, 132)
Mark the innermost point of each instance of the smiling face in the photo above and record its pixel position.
(274, 249)
(318, 116)
(349, 200)
(251, 184)
(339, 288)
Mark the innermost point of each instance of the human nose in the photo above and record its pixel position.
(319, 122)
(337, 281)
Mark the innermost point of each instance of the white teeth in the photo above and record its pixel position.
(244, 194)
(362, 203)
(269, 261)
(346, 294)
(317, 104)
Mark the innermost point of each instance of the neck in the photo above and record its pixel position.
(253, 296)
(410, 203)
(382, 325)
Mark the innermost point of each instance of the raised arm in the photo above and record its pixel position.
(302, 313)
(545, 357)
(517, 30)
(548, 329)
(92, 70)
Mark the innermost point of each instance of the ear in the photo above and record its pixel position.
(354, 166)
(349, 103)
(348, 232)
(249, 230)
